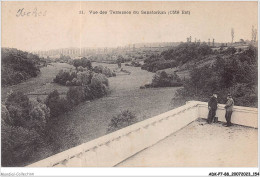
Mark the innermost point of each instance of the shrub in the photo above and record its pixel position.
(80, 68)
(20, 111)
(88, 93)
(124, 119)
(63, 76)
(18, 144)
(98, 86)
(159, 65)
(56, 104)
(38, 116)
(73, 79)
(85, 77)
(99, 79)
(75, 95)
(107, 72)
(98, 69)
(83, 62)
(68, 83)
(136, 63)
(229, 50)
(104, 70)
(18, 66)
(162, 79)
(75, 82)
(18, 106)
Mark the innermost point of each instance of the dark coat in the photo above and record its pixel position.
(213, 103)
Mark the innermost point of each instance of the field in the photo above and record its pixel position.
(41, 84)
(90, 120)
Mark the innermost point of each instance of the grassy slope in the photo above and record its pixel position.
(183, 71)
(90, 120)
(40, 84)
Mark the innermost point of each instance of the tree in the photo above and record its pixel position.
(38, 116)
(75, 95)
(85, 63)
(76, 63)
(18, 105)
(162, 79)
(18, 66)
(85, 77)
(99, 85)
(254, 34)
(124, 119)
(233, 73)
(56, 104)
(232, 35)
(18, 144)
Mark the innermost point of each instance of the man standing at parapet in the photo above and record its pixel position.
(229, 109)
(212, 106)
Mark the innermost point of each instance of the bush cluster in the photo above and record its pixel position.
(176, 56)
(64, 76)
(90, 87)
(124, 119)
(18, 66)
(26, 124)
(134, 63)
(159, 65)
(23, 126)
(57, 104)
(104, 70)
(163, 79)
(83, 62)
(81, 78)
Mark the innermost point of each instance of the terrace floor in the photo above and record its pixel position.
(201, 145)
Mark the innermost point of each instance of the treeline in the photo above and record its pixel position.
(163, 79)
(18, 66)
(176, 56)
(233, 72)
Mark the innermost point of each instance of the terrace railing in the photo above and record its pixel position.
(113, 148)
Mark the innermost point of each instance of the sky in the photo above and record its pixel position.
(59, 24)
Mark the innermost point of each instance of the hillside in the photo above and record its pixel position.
(204, 71)
(230, 71)
(177, 56)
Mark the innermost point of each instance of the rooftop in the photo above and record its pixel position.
(201, 145)
(177, 138)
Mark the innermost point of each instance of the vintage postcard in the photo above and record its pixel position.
(129, 84)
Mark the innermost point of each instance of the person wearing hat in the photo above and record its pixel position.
(212, 106)
(229, 109)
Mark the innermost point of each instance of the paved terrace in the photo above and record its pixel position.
(201, 145)
(177, 138)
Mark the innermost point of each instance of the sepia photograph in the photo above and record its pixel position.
(129, 84)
